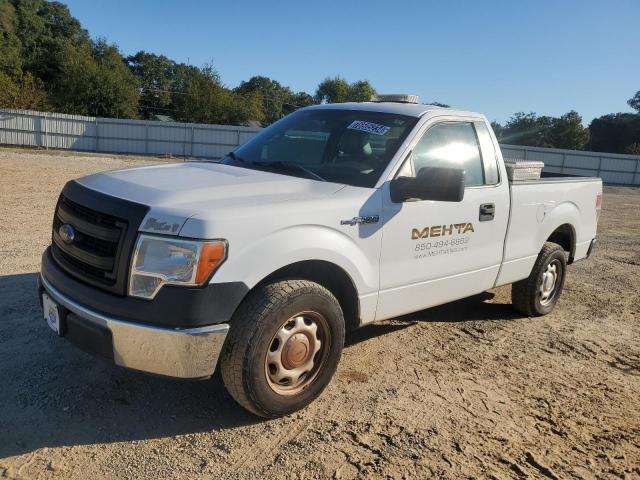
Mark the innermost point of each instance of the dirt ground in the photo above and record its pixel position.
(469, 389)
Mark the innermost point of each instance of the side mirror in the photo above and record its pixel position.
(431, 183)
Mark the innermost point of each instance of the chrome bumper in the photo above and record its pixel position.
(189, 353)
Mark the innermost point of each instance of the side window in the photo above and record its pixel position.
(452, 145)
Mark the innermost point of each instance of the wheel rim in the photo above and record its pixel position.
(550, 282)
(297, 352)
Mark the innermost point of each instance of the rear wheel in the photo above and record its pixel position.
(539, 293)
(283, 348)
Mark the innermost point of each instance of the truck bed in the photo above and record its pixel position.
(541, 207)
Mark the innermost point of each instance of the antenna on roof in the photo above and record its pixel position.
(395, 97)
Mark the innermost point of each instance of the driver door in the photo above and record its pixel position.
(434, 252)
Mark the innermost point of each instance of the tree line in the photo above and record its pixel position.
(48, 62)
(613, 133)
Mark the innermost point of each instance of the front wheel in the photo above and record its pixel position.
(539, 293)
(283, 347)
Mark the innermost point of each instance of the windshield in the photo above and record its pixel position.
(342, 146)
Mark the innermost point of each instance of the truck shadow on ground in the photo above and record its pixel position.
(54, 394)
(474, 308)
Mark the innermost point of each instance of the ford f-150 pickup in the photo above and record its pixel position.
(335, 216)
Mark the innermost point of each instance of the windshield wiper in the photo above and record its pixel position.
(279, 165)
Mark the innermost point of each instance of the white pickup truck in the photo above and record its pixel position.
(336, 216)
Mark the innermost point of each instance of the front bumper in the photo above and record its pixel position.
(174, 307)
(190, 353)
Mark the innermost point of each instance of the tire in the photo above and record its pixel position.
(533, 298)
(280, 330)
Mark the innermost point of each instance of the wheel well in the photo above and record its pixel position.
(565, 236)
(331, 277)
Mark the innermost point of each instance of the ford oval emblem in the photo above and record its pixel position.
(67, 233)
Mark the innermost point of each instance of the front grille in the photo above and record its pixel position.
(105, 228)
(89, 214)
(94, 251)
(101, 247)
(78, 265)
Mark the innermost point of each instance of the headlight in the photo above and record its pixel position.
(159, 261)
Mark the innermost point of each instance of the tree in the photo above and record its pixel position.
(155, 74)
(567, 132)
(634, 102)
(338, 90)
(10, 46)
(299, 100)
(548, 132)
(360, 91)
(25, 92)
(498, 130)
(43, 47)
(332, 90)
(633, 149)
(206, 100)
(46, 30)
(95, 80)
(201, 100)
(527, 129)
(615, 133)
(303, 99)
(244, 108)
(277, 100)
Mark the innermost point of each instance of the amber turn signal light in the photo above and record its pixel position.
(211, 257)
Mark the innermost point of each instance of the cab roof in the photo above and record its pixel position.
(409, 109)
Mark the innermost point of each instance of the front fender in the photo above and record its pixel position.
(252, 262)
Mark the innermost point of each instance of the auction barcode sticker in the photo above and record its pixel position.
(368, 127)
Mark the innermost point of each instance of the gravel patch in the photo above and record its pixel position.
(468, 389)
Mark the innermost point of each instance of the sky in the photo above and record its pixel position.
(496, 57)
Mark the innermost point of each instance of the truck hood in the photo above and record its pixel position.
(175, 192)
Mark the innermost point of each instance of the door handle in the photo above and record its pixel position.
(487, 212)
